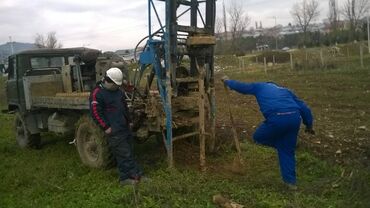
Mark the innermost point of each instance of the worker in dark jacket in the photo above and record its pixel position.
(283, 112)
(109, 110)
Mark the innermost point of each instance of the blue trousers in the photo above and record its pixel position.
(120, 145)
(280, 131)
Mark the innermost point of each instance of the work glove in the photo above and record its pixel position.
(224, 78)
(309, 131)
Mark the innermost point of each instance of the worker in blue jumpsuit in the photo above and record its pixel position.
(109, 110)
(283, 112)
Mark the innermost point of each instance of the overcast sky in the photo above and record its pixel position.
(109, 24)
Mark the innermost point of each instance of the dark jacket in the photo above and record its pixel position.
(109, 109)
(273, 98)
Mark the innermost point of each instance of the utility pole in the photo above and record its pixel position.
(224, 16)
(276, 34)
(11, 44)
(276, 37)
(224, 19)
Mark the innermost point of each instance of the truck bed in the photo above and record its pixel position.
(46, 91)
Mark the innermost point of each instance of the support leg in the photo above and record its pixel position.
(202, 115)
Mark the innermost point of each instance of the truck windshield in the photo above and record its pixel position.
(47, 62)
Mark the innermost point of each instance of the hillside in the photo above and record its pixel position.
(5, 49)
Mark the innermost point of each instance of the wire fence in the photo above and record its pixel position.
(355, 55)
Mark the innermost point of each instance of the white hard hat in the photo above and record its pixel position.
(115, 74)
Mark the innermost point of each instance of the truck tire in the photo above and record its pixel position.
(24, 138)
(92, 145)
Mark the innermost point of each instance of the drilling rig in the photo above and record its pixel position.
(177, 64)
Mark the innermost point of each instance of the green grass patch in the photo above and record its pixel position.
(55, 177)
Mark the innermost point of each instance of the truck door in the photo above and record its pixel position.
(12, 83)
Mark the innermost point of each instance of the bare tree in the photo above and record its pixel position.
(219, 26)
(40, 41)
(220, 35)
(50, 41)
(305, 12)
(224, 17)
(239, 20)
(333, 15)
(354, 11)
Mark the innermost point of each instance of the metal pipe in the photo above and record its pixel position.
(170, 43)
(193, 13)
(150, 18)
(201, 17)
(156, 14)
(184, 136)
(183, 13)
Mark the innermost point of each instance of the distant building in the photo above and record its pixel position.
(129, 54)
(290, 29)
(317, 27)
(224, 36)
(262, 47)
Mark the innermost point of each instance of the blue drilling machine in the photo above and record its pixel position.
(176, 65)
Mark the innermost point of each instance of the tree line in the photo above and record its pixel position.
(346, 23)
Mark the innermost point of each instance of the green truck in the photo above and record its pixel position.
(48, 91)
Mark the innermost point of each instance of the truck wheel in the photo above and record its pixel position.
(24, 138)
(92, 145)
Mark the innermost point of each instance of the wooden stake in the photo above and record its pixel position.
(306, 65)
(348, 60)
(265, 63)
(347, 52)
(235, 133)
(291, 61)
(362, 55)
(322, 59)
